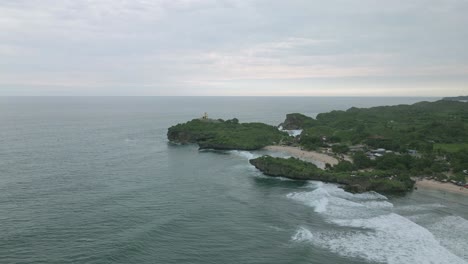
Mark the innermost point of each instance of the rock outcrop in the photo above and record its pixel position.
(297, 121)
(226, 135)
(300, 170)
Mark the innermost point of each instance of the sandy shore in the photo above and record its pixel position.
(448, 187)
(304, 155)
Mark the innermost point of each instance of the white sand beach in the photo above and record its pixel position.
(448, 187)
(304, 154)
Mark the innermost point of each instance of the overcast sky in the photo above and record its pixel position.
(234, 47)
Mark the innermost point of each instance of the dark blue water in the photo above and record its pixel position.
(94, 180)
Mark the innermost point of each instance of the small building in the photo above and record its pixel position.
(412, 152)
(379, 151)
(356, 148)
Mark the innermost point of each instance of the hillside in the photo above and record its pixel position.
(398, 128)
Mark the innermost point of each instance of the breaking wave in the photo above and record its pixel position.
(452, 233)
(294, 132)
(244, 154)
(366, 227)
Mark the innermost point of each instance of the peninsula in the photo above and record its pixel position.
(383, 149)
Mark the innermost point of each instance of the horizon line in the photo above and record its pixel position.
(394, 96)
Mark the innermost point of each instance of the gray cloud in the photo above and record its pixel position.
(196, 47)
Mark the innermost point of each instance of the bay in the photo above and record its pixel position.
(94, 180)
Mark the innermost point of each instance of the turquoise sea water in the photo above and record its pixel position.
(94, 180)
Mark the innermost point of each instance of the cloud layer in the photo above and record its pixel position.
(233, 47)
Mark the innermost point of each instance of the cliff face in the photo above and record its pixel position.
(183, 137)
(297, 121)
(300, 170)
(186, 137)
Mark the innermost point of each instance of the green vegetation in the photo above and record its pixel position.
(436, 133)
(458, 160)
(362, 161)
(380, 181)
(229, 134)
(450, 148)
(340, 149)
(457, 98)
(398, 128)
(406, 164)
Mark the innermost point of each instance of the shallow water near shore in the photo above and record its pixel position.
(94, 180)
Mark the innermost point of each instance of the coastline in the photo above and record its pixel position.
(435, 185)
(304, 154)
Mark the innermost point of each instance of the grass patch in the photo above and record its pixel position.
(451, 148)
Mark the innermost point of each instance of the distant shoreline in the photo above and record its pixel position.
(441, 186)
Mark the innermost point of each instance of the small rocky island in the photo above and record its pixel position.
(379, 149)
(226, 134)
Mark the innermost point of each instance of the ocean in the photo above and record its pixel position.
(94, 180)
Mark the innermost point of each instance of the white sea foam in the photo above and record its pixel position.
(292, 132)
(417, 218)
(388, 238)
(244, 154)
(369, 229)
(336, 191)
(276, 228)
(378, 204)
(303, 235)
(295, 132)
(420, 207)
(259, 174)
(333, 202)
(452, 232)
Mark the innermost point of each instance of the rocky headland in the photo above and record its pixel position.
(356, 182)
(297, 121)
(226, 135)
(369, 149)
